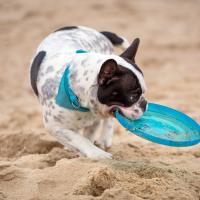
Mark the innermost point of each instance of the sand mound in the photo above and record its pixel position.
(84, 179)
(20, 143)
(97, 181)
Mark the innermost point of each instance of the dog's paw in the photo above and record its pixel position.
(103, 144)
(99, 154)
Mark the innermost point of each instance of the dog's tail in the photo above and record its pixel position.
(116, 40)
(35, 66)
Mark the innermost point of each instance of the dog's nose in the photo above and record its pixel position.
(143, 105)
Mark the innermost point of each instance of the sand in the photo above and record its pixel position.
(34, 166)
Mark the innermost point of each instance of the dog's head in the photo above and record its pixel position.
(121, 85)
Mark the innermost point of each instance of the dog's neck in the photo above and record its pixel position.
(83, 78)
(66, 97)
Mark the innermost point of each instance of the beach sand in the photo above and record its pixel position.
(34, 166)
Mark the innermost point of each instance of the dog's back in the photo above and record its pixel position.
(65, 41)
(68, 40)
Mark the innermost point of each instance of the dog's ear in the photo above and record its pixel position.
(107, 71)
(131, 51)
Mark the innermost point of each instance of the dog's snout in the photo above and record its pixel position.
(143, 105)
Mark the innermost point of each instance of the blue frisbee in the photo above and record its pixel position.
(163, 125)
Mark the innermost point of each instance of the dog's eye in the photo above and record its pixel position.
(133, 97)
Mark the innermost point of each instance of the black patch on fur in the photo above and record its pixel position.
(114, 38)
(66, 28)
(134, 65)
(34, 70)
(143, 104)
(122, 88)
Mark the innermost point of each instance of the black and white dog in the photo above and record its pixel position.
(80, 83)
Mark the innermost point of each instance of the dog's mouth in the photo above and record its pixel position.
(127, 112)
(112, 111)
(114, 108)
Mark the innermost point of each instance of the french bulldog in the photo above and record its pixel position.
(80, 83)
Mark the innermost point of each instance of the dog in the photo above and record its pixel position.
(80, 83)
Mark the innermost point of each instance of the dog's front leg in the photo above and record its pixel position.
(90, 132)
(79, 142)
(105, 139)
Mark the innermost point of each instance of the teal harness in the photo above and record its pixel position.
(66, 98)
